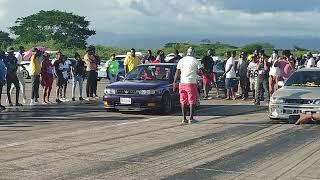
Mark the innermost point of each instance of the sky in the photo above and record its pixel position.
(205, 18)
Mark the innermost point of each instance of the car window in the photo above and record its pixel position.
(219, 67)
(152, 72)
(305, 79)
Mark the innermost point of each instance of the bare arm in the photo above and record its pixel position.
(176, 77)
(307, 118)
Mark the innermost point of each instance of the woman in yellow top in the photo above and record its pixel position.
(35, 75)
(131, 62)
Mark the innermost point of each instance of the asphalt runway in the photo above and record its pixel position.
(80, 140)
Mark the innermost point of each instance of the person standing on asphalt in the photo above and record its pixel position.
(3, 74)
(149, 58)
(66, 74)
(274, 72)
(131, 61)
(78, 71)
(98, 62)
(12, 78)
(176, 57)
(19, 57)
(230, 74)
(58, 72)
(243, 71)
(253, 75)
(263, 78)
(187, 70)
(35, 63)
(46, 77)
(207, 74)
(91, 68)
(112, 67)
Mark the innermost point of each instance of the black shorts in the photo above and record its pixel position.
(60, 82)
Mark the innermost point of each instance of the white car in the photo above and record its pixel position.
(170, 56)
(300, 93)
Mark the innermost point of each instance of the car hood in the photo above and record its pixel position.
(298, 93)
(138, 85)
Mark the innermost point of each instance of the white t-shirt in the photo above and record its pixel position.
(311, 63)
(318, 64)
(189, 67)
(20, 59)
(232, 72)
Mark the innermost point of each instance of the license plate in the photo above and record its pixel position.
(125, 100)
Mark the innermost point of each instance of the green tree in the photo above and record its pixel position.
(5, 40)
(250, 48)
(62, 27)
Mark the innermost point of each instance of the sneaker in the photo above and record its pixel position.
(58, 101)
(33, 102)
(96, 97)
(73, 99)
(2, 108)
(19, 105)
(209, 98)
(191, 121)
(184, 121)
(81, 99)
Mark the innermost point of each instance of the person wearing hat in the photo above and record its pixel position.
(12, 78)
(3, 74)
(187, 70)
(91, 68)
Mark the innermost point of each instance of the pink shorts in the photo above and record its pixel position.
(188, 94)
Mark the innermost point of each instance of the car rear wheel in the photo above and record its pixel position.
(25, 74)
(166, 104)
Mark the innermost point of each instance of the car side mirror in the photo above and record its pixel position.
(280, 84)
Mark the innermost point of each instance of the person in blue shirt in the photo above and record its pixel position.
(3, 73)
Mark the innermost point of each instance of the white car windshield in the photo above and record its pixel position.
(305, 79)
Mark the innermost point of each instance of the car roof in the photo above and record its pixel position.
(308, 70)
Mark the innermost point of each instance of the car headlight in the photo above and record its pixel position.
(317, 102)
(147, 92)
(110, 91)
(275, 100)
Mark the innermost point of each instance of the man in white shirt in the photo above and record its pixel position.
(187, 70)
(311, 62)
(230, 74)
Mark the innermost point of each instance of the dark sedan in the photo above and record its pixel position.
(148, 86)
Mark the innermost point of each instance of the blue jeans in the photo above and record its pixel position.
(74, 85)
(112, 77)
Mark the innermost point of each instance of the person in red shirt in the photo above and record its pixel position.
(46, 77)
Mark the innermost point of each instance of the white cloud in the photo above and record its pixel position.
(170, 17)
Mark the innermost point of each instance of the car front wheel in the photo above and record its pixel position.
(166, 104)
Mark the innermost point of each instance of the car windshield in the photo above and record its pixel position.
(304, 79)
(151, 72)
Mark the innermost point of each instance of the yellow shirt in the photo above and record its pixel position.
(35, 66)
(131, 62)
